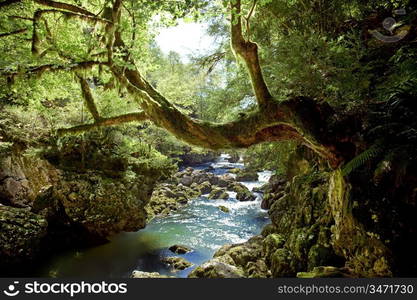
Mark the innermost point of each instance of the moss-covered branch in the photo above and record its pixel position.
(248, 51)
(65, 6)
(88, 98)
(35, 70)
(117, 120)
(39, 13)
(296, 119)
(8, 2)
(299, 119)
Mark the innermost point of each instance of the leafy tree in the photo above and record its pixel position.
(306, 47)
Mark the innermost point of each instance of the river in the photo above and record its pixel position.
(199, 225)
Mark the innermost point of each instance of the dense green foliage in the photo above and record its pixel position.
(318, 49)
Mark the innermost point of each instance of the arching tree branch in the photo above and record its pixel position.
(299, 119)
(296, 119)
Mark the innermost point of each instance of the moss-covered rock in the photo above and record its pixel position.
(141, 274)
(103, 206)
(168, 197)
(215, 268)
(247, 175)
(245, 195)
(22, 177)
(177, 263)
(283, 263)
(239, 260)
(224, 209)
(205, 187)
(366, 254)
(21, 235)
(242, 192)
(270, 244)
(257, 269)
(218, 193)
(328, 271)
(179, 249)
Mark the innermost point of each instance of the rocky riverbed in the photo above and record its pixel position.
(204, 221)
(198, 209)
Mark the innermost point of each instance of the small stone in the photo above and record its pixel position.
(177, 263)
(179, 249)
(140, 274)
(224, 209)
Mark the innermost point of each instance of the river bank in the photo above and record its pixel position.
(198, 224)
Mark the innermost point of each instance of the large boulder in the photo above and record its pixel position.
(104, 207)
(247, 175)
(21, 179)
(283, 263)
(235, 261)
(216, 269)
(242, 192)
(225, 180)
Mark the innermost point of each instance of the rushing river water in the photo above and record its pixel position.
(199, 225)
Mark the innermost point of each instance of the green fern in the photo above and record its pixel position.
(362, 158)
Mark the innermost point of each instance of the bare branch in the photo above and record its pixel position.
(13, 32)
(20, 17)
(126, 118)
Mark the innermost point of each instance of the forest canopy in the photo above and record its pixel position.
(302, 71)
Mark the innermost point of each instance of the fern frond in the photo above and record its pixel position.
(362, 158)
